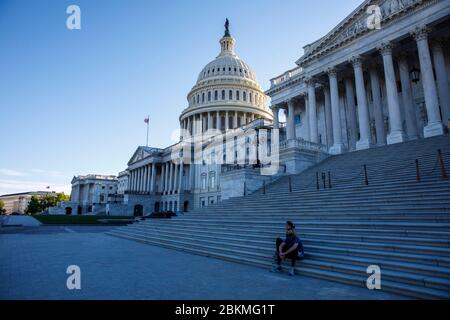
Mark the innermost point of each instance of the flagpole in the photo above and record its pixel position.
(148, 123)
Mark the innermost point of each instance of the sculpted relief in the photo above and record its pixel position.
(381, 11)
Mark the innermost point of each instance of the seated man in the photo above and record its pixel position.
(290, 248)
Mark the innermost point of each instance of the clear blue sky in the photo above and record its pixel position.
(73, 101)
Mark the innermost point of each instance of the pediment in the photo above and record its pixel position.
(140, 154)
(359, 23)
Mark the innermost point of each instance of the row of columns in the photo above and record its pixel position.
(200, 123)
(433, 93)
(142, 179)
(171, 179)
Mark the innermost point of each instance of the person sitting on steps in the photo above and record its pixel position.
(290, 248)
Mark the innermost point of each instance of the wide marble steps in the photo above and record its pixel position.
(396, 222)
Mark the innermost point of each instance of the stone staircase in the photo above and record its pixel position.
(394, 221)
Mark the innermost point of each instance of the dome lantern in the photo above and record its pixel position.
(227, 42)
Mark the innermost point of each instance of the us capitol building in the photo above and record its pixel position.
(381, 76)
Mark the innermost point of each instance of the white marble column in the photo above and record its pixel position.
(191, 177)
(129, 183)
(227, 121)
(141, 186)
(210, 120)
(188, 125)
(290, 120)
(235, 120)
(194, 124)
(175, 178)
(138, 180)
(377, 106)
(166, 177)
(328, 116)
(396, 135)
(276, 121)
(338, 146)
(434, 126)
(153, 178)
(306, 118)
(217, 120)
(312, 116)
(412, 131)
(149, 178)
(144, 180)
(351, 108)
(363, 109)
(180, 178)
(161, 182)
(171, 169)
(442, 80)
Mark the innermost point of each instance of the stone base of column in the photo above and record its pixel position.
(396, 137)
(337, 148)
(363, 144)
(412, 137)
(433, 129)
(381, 144)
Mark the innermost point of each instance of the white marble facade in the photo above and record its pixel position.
(381, 76)
(226, 96)
(91, 193)
(365, 85)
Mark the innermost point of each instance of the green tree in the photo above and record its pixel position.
(34, 206)
(2, 207)
(40, 203)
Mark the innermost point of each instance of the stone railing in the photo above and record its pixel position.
(285, 76)
(303, 144)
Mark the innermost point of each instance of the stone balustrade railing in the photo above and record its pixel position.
(303, 144)
(285, 76)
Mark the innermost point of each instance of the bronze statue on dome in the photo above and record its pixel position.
(227, 26)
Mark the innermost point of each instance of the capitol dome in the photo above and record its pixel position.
(226, 95)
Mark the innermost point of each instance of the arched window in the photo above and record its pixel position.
(203, 97)
(230, 95)
(212, 179)
(237, 95)
(209, 95)
(203, 181)
(198, 98)
(216, 95)
(250, 95)
(244, 96)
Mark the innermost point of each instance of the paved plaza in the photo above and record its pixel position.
(34, 261)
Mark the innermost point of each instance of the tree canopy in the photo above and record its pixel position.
(41, 203)
(2, 207)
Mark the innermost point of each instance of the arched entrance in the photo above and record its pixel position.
(156, 206)
(186, 206)
(138, 210)
(68, 211)
(80, 210)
